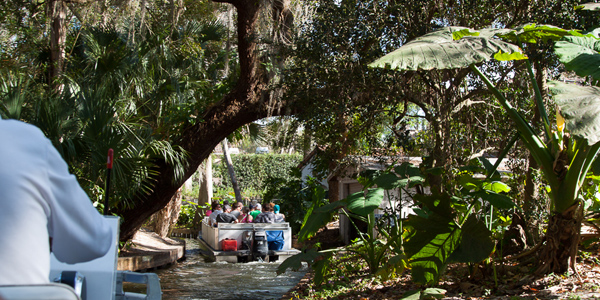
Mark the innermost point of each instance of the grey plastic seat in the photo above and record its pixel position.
(50, 291)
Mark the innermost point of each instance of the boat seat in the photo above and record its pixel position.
(49, 291)
(100, 274)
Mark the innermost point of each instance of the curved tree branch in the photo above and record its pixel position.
(241, 106)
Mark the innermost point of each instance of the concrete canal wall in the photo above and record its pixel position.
(150, 251)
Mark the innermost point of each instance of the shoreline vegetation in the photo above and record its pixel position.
(348, 278)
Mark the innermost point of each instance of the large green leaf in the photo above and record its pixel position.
(496, 187)
(360, 205)
(294, 262)
(440, 50)
(389, 181)
(476, 243)
(437, 203)
(430, 248)
(580, 54)
(580, 106)
(591, 6)
(318, 219)
(533, 33)
(497, 200)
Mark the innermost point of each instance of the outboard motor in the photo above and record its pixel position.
(260, 248)
(247, 240)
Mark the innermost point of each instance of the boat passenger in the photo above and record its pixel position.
(213, 206)
(277, 212)
(245, 216)
(236, 210)
(212, 219)
(226, 216)
(254, 210)
(40, 201)
(268, 216)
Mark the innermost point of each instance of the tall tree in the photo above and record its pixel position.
(242, 105)
(345, 35)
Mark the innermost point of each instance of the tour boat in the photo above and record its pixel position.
(244, 242)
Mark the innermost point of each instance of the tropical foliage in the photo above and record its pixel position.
(565, 162)
(254, 171)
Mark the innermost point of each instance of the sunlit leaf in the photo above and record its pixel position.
(439, 50)
(496, 187)
(533, 33)
(580, 54)
(364, 205)
(497, 200)
(580, 106)
(501, 56)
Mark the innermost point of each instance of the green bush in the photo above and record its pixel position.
(296, 199)
(253, 171)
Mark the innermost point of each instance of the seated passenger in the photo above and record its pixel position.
(216, 210)
(276, 210)
(245, 216)
(226, 216)
(268, 216)
(212, 208)
(236, 210)
(254, 210)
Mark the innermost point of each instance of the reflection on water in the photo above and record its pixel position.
(194, 278)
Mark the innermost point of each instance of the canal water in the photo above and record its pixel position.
(194, 278)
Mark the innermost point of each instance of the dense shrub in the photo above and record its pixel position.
(253, 171)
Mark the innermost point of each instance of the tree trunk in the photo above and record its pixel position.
(334, 189)
(231, 171)
(205, 192)
(243, 105)
(561, 242)
(306, 144)
(166, 217)
(57, 9)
